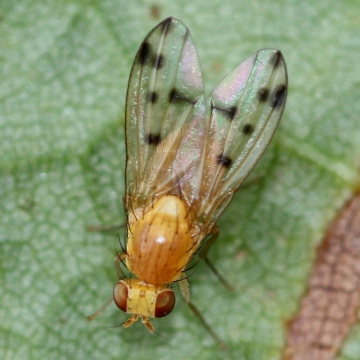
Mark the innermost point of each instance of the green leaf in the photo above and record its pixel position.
(64, 68)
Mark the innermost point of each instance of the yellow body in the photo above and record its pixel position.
(141, 298)
(159, 243)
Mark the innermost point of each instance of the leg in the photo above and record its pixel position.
(118, 258)
(203, 255)
(103, 307)
(185, 292)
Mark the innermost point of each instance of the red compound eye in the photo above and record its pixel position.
(165, 302)
(120, 295)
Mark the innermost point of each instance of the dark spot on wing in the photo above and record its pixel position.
(175, 96)
(223, 160)
(166, 25)
(229, 112)
(278, 96)
(276, 59)
(263, 94)
(153, 139)
(247, 129)
(144, 52)
(158, 61)
(153, 97)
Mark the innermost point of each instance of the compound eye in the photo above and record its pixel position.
(165, 302)
(120, 295)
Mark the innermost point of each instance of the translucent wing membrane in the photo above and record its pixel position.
(165, 84)
(244, 111)
(180, 143)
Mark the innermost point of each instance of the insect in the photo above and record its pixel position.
(186, 156)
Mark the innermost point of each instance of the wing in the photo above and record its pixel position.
(243, 113)
(178, 142)
(164, 86)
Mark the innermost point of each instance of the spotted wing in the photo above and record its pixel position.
(164, 86)
(242, 114)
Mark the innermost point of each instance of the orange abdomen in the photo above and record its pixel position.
(159, 244)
